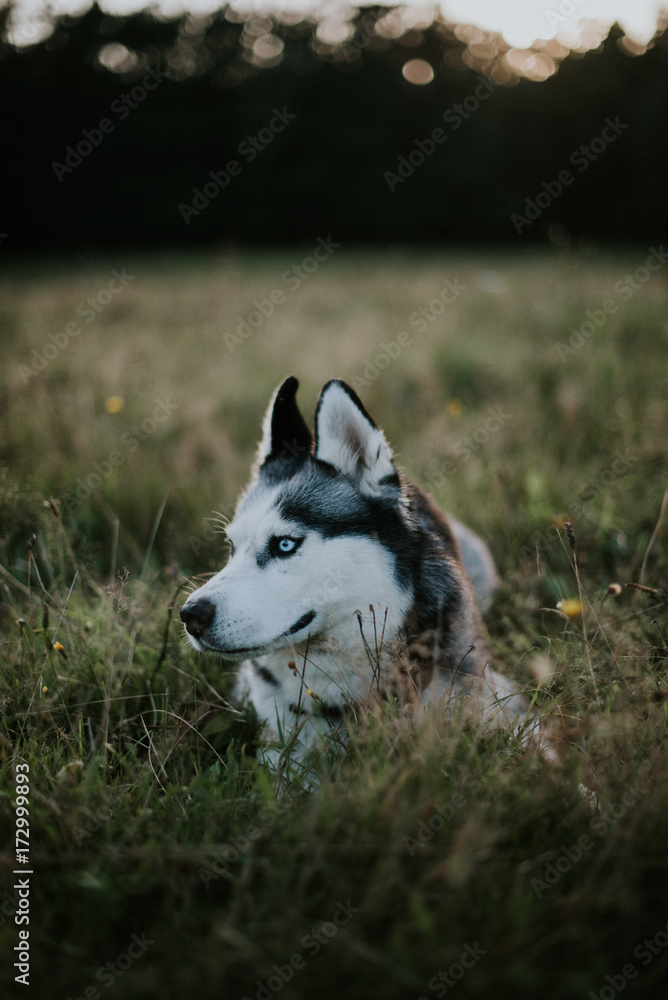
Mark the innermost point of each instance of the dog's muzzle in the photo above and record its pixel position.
(197, 616)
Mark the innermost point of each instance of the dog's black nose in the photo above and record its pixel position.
(196, 615)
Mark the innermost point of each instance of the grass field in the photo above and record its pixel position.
(523, 391)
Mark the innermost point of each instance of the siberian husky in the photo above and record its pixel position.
(345, 582)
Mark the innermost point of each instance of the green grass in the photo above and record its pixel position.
(149, 815)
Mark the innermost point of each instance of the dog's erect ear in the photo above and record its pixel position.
(347, 438)
(286, 440)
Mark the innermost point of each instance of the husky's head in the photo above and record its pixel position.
(321, 532)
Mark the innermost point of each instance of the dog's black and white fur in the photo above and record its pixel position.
(345, 581)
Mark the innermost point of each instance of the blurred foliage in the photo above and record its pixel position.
(324, 171)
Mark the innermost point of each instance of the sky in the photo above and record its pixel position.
(521, 22)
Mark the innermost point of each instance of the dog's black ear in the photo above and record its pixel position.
(286, 440)
(347, 438)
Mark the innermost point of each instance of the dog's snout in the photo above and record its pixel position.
(196, 615)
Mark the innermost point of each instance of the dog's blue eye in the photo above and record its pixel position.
(284, 546)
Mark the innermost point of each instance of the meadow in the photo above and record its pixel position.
(525, 391)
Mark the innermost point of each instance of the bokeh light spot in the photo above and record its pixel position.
(117, 58)
(114, 404)
(418, 71)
